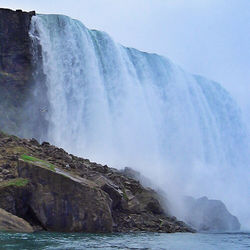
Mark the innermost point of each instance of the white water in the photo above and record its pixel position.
(123, 107)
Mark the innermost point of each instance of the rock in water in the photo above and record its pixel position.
(12, 223)
(210, 215)
(66, 203)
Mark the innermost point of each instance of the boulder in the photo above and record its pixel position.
(63, 202)
(210, 215)
(14, 196)
(110, 188)
(12, 223)
(144, 201)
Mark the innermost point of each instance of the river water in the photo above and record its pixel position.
(178, 241)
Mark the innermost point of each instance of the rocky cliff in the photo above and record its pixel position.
(56, 191)
(15, 66)
(19, 72)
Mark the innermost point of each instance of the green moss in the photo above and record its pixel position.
(125, 196)
(161, 223)
(28, 158)
(19, 182)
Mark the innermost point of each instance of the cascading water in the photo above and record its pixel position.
(124, 107)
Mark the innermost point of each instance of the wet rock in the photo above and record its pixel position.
(14, 197)
(63, 202)
(110, 188)
(15, 66)
(68, 193)
(12, 223)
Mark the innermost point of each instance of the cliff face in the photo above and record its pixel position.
(15, 46)
(15, 66)
(16, 71)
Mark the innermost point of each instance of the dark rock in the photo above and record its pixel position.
(110, 188)
(45, 144)
(20, 72)
(6, 166)
(14, 199)
(35, 142)
(63, 202)
(85, 196)
(15, 66)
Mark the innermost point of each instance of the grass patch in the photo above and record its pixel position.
(19, 182)
(28, 158)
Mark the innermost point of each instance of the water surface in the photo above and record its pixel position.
(176, 241)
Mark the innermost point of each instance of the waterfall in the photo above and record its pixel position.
(123, 107)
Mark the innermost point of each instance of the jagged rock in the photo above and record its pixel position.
(209, 215)
(62, 187)
(110, 188)
(63, 202)
(12, 223)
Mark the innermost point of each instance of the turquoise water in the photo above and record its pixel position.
(176, 241)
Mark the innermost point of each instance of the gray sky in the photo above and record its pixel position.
(207, 37)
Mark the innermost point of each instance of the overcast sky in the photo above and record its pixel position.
(207, 37)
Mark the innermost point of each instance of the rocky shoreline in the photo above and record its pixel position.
(56, 191)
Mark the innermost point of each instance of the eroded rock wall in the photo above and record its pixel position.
(15, 66)
(19, 76)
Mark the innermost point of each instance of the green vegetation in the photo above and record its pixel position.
(28, 158)
(19, 182)
(124, 194)
(161, 223)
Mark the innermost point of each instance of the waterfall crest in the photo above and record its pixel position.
(123, 107)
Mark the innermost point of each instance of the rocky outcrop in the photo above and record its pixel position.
(20, 73)
(57, 191)
(15, 66)
(210, 215)
(12, 223)
(63, 202)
